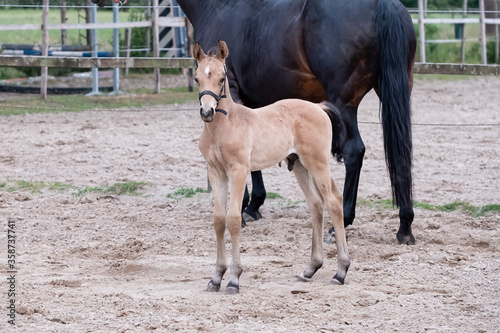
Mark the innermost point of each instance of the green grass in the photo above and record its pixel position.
(75, 103)
(25, 16)
(442, 77)
(272, 195)
(127, 188)
(36, 187)
(283, 201)
(185, 192)
(464, 207)
(25, 186)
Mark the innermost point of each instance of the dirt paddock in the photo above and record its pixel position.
(90, 261)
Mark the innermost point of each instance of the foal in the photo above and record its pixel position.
(236, 140)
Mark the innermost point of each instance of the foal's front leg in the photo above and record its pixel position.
(238, 181)
(219, 182)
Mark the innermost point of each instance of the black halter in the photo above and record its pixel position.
(221, 95)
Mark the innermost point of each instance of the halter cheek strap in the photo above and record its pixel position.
(217, 98)
(221, 95)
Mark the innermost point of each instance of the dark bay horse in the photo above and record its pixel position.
(317, 50)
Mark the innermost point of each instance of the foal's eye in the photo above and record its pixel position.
(196, 80)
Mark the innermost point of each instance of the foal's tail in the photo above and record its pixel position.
(339, 130)
(396, 47)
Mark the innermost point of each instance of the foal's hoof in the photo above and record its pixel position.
(212, 287)
(302, 278)
(405, 239)
(337, 280)
(232, 289)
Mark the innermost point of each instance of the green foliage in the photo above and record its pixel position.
(490, 51)
(441, 4)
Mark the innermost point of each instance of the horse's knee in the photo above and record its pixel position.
(219, 222)
(234, 223)
(354, 152)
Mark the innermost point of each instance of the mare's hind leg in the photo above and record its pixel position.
(316, 207)
(333, 200)
(219, 182)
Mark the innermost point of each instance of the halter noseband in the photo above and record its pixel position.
(221, 95)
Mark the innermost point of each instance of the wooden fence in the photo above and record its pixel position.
(482, 20)
(156, 22)
(73, 62)
(156, 62)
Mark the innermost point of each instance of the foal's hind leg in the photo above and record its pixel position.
(219, 182)
(316, 207)
(333, 200)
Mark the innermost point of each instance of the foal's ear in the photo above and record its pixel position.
(223, 52)
(198, 53)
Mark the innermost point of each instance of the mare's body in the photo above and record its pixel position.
(333, 50)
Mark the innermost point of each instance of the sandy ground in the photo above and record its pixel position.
(118, 263)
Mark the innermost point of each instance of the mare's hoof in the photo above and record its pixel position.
(243, 223)
(405, 239)
(302, 278)
(330, 236)
(232, 289)
(331, 232)
(212, 287)
(249, 215)
(337, 280)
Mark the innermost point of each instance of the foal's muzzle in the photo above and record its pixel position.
(207, 114)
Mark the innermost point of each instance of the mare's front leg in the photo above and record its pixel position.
(219, 182)
(238, 175)
(354, 151)
(251, 212)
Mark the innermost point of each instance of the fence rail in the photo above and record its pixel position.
(75, 62)
(162, 22)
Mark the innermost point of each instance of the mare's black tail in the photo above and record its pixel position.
(339, 130)
(396, 47)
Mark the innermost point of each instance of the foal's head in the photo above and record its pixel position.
(211, 79)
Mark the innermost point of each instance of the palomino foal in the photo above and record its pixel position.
(236, 140)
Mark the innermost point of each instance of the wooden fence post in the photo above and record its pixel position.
(128, 43)
(190, 54)
(464, 15)
(63, 20)
(496, 32)
(156, 44)
(483, 32)
(421, 26)
(45, 48)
